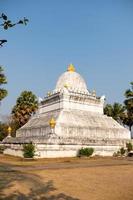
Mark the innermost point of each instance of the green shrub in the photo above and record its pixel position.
(122, 151)
(85, 152)
(29, 150)
(129, 146)
(2, 148)
(114, 154)
(117, 154)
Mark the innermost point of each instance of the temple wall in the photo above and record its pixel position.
(52, 151)
(78, 124)
(91, 105)
(93, 132)
(14, 150)
(88, 132)
(50, 107)
(96, 108)
(40, 131)
(55, 151)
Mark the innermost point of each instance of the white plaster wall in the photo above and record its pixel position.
(55, 151)
(94, 133)
(66, 103)
(72, 150)
(13, 152)
(83, 106)
(51, 107)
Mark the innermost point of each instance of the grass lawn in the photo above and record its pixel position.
(66, 179)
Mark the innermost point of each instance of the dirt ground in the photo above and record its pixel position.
(66, 179)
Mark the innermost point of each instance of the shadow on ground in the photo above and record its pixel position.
(12, 182)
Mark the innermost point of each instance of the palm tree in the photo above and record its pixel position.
(3, 80)
(129, 107)
(26, 106)
(116, 111)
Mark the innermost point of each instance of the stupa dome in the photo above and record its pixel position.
(71, 80)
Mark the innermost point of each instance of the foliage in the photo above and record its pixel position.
(2, 148)
(122, 114)
(86, 152)
(3, 131)
(122, 151)
(129, 107)
(116, 111)
(125, 151)
(116, 154)
(7, 23)
(14, 126)
(129, 146)
(3, 80)
(26, 105)
(29, 150)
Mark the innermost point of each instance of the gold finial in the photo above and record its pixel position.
(9, 131)
(66, 85)
(52, 122)
(49, 94)
(94, 93)
(71, 68)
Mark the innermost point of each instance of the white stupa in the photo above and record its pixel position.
(68, 118)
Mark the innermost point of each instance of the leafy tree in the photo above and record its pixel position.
(129, 107)
(3, 131)
(26, 105)
(116, 111)
(7, 23)
(3, 80)
(129, 146)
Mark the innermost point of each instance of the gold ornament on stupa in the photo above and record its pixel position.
(52, 122)
(66, 85)
(49, 94)
(9, 130)
(71, 68)
(94, 93)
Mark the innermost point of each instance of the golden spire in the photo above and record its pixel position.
(49, 93)
(52, 122)
(66, 85)
(71, 68)
(94, 92)
(9, 131)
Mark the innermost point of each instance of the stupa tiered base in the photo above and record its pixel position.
(68, 119)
